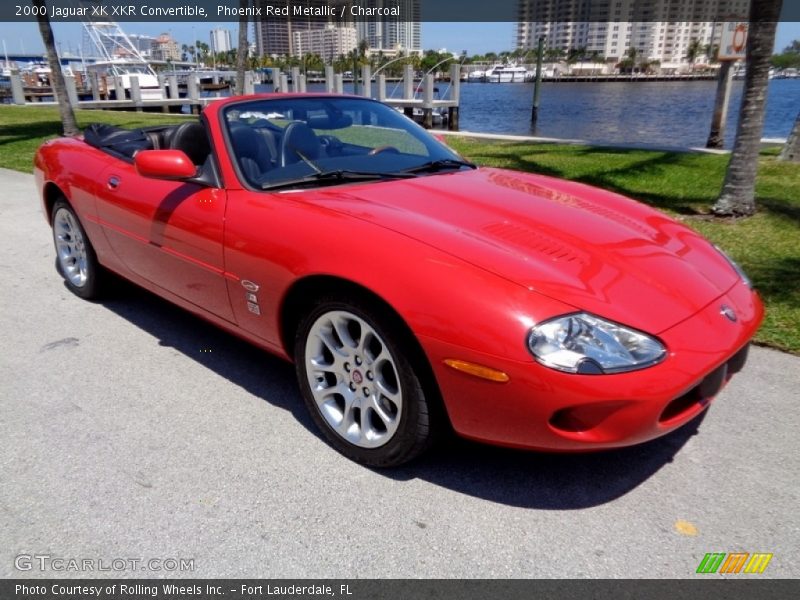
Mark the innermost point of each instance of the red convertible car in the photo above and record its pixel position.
(412, 290)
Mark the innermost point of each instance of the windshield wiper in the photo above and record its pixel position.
(441, 164)
(339, 176)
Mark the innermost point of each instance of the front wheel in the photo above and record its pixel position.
(363, 393)
(76, 260)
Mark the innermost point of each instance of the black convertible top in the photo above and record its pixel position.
(101, 135)
(123, 143)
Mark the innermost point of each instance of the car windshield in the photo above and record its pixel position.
(294, 142)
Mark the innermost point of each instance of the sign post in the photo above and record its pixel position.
(732, 47)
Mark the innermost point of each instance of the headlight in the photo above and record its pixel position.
(745, 279)
(583, 343)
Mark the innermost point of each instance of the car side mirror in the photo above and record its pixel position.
(173, 165)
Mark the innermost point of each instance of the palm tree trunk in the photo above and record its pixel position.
(68, 121)
(791, 150)
(241, 51)
(738, 191)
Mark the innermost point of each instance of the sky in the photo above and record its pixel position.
(475, 38)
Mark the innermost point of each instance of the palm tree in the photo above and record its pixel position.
(791, 150)
(68, 121)
(202, 50)
(738, 190)
(693, 51)
(242, 49)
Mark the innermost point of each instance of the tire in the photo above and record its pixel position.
(362, 392)
(76, 260)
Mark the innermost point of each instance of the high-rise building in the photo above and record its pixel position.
(142, 43)
(394, 33)
(275, 34)
(165, 48)
(329, 43)
(220, 40)
(657, 30)
(389, 34)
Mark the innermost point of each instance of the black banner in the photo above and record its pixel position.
(395, 589)
(351, 11)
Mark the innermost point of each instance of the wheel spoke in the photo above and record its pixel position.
(340, 325)
(378, 404)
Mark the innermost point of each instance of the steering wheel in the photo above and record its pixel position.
(380, 149)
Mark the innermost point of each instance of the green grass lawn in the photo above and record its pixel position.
(767, 245)
(24, 128)
(685, 185)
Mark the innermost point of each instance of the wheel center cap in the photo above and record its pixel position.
(357, 377)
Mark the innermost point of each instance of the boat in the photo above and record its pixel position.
(476, 75)
(510, 73)
(6, 70)
(118, 57)
(126, 69)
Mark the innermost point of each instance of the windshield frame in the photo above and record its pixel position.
(436, 149)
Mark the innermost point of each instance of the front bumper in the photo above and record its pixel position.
(539, 408)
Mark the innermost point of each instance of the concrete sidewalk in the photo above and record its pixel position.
(129, 429)
(503, 137)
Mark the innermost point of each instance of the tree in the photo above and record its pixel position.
(791, 150)
(789, 58)
(57, 82)
(711, 50)
(693, 51)
(202, 50)
(242, 49)
(738, 190)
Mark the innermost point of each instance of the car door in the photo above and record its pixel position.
(167, 232)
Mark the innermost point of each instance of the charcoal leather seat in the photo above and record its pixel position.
(191, 137)
(299, 139)
(251, 150)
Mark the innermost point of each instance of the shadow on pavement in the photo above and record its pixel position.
(511, 477)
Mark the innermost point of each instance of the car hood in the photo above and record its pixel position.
(586, 247)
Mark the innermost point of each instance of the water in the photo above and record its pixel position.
(652, 113)
(660, 113)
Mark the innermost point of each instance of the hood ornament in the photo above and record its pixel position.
(728, 313)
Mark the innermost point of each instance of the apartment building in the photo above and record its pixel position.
(659, 30)
(329, 43)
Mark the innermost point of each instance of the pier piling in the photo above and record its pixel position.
(538, 84)
(381, 87)
(173, 87)
(17, 93)
(94, 81)
(329, 79)
(136, 93)
(119, 88)
(427, 102)
(366, 78)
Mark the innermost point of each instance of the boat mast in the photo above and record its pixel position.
(112, 44)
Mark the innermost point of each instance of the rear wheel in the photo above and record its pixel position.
(361, 390)
(76, 260)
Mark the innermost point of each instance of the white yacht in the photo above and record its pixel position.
(510, 73)
(118, 57)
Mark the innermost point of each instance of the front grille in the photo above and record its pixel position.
(705, 391)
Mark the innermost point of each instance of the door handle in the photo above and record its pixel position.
(113, 182)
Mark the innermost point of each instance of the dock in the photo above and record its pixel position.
(180, 90)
